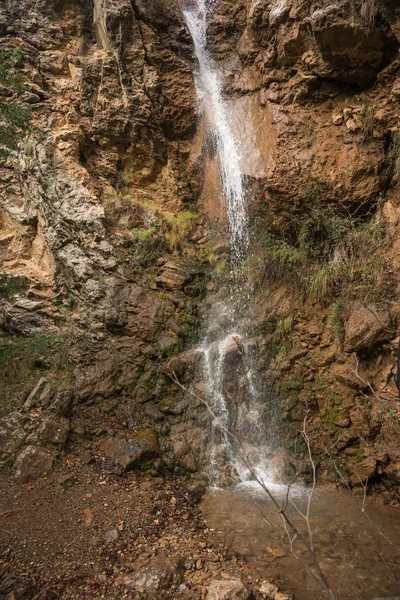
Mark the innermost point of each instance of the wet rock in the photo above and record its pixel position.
(228, 589)
(365, 327)
(162, 574)
(54, 430)
(137, 450)
(12, 433)
(32, 463)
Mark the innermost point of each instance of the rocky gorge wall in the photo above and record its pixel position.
(113, 241)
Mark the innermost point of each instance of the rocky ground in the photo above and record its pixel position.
(86, 532)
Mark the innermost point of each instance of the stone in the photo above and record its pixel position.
(268, 589)
(24, 322)
(66, 481)
(184, 456)
(337, 118)
(227, 589)
(32, 463)
(176, 275)
(363, 470)
(77, 261)
(137, 450)
(392, 472)
(161, 574)
(111, 536)
(54, 430)
(353, 125)
(12, 433)
(88, 516)
(365, 327)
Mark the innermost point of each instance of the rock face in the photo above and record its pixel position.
(109, 235)
(133, 451)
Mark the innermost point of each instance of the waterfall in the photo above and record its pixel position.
(209, 93)
(229, 357)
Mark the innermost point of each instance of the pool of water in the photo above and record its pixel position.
(358, 561)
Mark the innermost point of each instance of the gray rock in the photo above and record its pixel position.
(77, 261)
(111, 536)
(54, 430)
(163, 573)
(228, 589)
(32, 463)
(12, 433)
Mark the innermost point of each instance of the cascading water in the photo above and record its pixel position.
(225, 350)
(208, 88)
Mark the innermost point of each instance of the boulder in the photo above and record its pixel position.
(137, 450)
(392, 472)
(32, 463)
(54, 430)
(161, 574)
(228, 589)
(363, 470)
(365, 327)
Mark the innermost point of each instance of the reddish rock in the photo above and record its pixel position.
(363, 470)
(365, 327)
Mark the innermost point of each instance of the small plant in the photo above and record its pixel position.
(24, 359)
(12, 285)
(14, 116)
(179, 228)
(336, 319)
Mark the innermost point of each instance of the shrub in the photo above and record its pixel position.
(14, 116)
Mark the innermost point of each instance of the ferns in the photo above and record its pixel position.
(327, 255)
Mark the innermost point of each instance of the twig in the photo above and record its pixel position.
(368, 385)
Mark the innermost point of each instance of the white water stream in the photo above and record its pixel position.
(229, 356)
